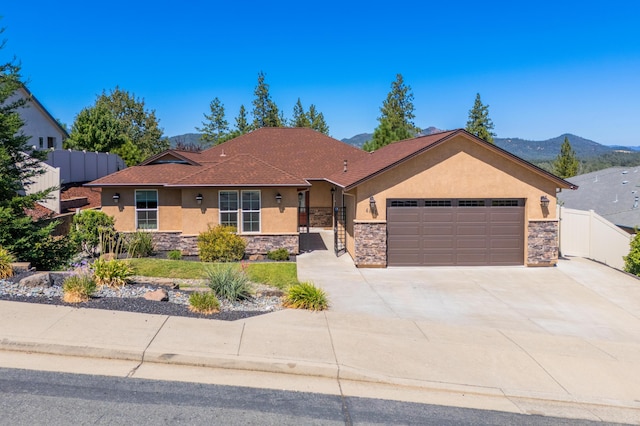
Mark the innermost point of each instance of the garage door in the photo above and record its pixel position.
(428, 232)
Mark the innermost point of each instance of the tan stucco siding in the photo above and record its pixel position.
(178, 210)
(320, 194)
(458, 169)
(350, 207)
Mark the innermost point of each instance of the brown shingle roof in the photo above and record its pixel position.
(396, 153)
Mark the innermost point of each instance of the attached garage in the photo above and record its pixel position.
(455, 232)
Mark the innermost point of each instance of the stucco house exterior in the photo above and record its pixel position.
(442, 199)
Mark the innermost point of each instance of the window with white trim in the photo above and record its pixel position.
(228, 202)
(146, 209)
(250, 211)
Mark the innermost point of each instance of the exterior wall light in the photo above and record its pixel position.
(544, 201)
(278, 198)
(372, 203)
(116, 198)
(333, 190)
(199, 198)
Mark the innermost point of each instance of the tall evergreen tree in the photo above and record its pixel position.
(118, 123)
(216, 128)
(479, 123)
(300, 118)
(265, 111)
(20, 163)
(316, 120)
(242, 125)
(396, 119)
(566, 163)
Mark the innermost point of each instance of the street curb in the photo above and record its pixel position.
(304, 368)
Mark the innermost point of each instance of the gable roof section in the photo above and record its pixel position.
(169, 156)
(298, 151)
(394, 154)
(31, 98)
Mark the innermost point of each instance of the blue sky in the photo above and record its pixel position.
(544, 67)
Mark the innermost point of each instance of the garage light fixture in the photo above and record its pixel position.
(199, 198)
(278, 198)
(116, 198)
(544, 201)
(372, 203)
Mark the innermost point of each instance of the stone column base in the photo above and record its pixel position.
(542, 243)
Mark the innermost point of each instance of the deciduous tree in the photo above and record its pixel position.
(479, 123)
(396, 119)
(118, 123)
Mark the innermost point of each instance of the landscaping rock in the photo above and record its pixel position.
(255, 257)
(164, 282)
(159, 295)
(39, 279)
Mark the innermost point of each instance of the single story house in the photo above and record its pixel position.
(448, 198)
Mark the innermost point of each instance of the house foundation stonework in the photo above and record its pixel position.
(542, 243)
(256, 244)
(370, 245)
(321, 217)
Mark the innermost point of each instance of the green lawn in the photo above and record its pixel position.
(277, 274)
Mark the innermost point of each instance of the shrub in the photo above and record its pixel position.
(112, 272)
(204, 303)
(139, 244)
(280, 254)
(632, 260)
(229, 282)
(221, 244)
(6, 258)
(306, 296)
(87, 228)
(78, 288)
(175, 255)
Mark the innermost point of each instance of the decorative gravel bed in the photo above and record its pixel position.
(130, 298)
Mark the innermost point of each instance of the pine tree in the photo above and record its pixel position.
(300, 118)
(396, 119)
(242, 125)
(265, 111)
(216, 128)
(28, 240)
(316, 120)
(479, 123)
(566, 163)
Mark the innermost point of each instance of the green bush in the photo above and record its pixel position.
(6, 258)
(221, 244)
(280, 254)
(111, 272)
(632, 260)
(87, 230)
(204, 303)
(229, 282)
(78, 288)
(139, 244)
(175, 255)
(306, 296)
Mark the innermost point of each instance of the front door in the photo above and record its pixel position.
(303, 209)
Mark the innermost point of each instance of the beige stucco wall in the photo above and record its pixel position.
(178, 210)
(320, 194)
(460, 168)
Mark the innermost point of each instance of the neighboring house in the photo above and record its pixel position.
(612, 193)
(442, 199)
(43, 130)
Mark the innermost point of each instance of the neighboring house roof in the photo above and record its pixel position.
(397, 153)
(613, 193)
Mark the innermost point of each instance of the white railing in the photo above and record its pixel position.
(587, 234)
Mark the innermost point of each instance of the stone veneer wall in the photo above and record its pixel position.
(321, 217)
(256, 244)
(542, 243)
(370, 244)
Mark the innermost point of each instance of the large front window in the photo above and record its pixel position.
(247, 208)
(146, 209)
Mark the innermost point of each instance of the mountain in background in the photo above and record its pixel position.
(186, 139)
(550, 148)
(359, 140)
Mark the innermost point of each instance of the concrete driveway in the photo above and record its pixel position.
(577, 298)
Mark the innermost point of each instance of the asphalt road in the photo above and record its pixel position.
(39, 398)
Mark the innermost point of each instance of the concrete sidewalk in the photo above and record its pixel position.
(486, 368)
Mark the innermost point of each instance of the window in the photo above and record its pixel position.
(41, 141)
(228, 208)
(471, 203)
(147, 209)
(250, 211)
(437, 203)
(505, 203)
(404, 203)
(51, 142)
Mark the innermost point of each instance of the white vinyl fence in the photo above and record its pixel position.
(587, 234)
